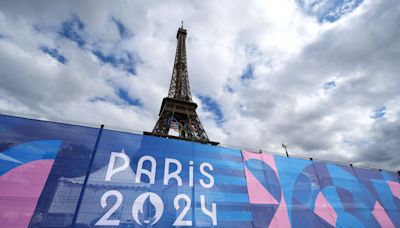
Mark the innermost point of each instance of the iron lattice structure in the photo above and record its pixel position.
(179, 87)
(178, 111)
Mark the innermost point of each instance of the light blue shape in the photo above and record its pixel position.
(363, 200)
(27, 152)
(386, 197)
(289, 169)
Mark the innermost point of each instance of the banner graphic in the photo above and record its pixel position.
(22, 179)
(63, 175)
(151, 181)
(289, 192)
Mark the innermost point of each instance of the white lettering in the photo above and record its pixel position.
(191, 173)
(174, 174)
(213, 213)
(202, 171)
(151, 174)
(104, 220)
(111, 170)
(179, 220)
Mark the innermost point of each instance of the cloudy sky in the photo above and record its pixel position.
(321, 75)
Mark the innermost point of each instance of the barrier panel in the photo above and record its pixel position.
(293, 192)
(59, 175)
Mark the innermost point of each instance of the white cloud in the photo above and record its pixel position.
(292, 53)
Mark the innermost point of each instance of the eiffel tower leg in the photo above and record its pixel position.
(162, 126)
(197, 130)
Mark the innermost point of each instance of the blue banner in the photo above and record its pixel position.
(63, 175)
(158, 182)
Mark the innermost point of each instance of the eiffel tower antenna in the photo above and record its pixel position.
(178, 111)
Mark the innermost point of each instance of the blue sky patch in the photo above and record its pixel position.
(328, 10)
(122, 29)
(73, 29)
(123, 94)
(330, 85)
(248, 73)
(54, 53)
(127, 61)
(379, 113)
(212, 106)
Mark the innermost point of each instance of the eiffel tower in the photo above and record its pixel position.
(178, 111)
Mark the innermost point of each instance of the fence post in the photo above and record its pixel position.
(78, 205)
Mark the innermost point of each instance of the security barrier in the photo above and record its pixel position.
(59, 175)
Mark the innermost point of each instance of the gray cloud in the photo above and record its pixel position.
(293, 56)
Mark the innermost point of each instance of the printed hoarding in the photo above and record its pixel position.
(60, 175)
(292, 192)
(153, 181)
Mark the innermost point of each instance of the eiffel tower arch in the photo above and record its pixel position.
(178, 111)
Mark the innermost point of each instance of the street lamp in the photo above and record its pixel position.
(284, 145)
